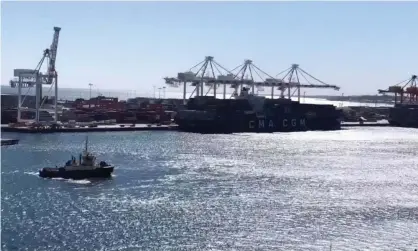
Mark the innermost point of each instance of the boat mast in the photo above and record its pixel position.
(87, 140)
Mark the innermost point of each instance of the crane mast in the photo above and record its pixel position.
(53, 55)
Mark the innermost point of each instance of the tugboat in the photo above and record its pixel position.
(85, 168)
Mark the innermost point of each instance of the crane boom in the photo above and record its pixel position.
(410, 93)
(53, 55)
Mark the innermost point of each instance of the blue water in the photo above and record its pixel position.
(356, 189)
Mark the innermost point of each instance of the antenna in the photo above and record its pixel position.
(87, 140)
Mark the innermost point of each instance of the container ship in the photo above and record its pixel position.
(248, 112)
(404, 115)
(405, 111)
(252, 113)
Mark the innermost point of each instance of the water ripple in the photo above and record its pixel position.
(353, 189)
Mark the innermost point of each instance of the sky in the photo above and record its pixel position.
(359, 46)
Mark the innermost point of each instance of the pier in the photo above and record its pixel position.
(365, 124)
(99, 128)
(137, 127)
(8, 142)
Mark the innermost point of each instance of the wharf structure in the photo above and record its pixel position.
(37, 109)
(242, 75)
(99, 128)
(126, 128)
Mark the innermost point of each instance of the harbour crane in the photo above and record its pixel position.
(249, 67)
(407, 87)
(288, 81)
(293, 81)
(27, 78)
(204, 75)
(237, 79)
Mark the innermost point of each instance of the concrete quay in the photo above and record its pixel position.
(99, 128)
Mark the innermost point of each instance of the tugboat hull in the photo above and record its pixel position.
(99, 172)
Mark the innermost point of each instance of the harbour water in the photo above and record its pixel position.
(354, 189)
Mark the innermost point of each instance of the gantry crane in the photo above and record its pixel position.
(249, 66)
(237, 79)
(293, 81)
(288, 81)
(408, 86)
(200, 78)
(26, 78)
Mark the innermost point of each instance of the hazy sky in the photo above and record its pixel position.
(132, 45)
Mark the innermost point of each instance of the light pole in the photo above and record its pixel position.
(164, 92)
(159, 92)
(90, 85)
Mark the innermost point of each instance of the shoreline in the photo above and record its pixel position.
(118, 128)
(83, 93)
(100, 128)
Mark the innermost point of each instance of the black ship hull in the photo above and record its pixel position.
(235, 116)
(404, 116)
(99, 172)
(258, 125)
(8, 142)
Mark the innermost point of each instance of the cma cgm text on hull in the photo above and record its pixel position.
(261, 124)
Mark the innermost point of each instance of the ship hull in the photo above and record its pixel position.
(259, 125)
(100, 172)
(404, 116)
(287, 116)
